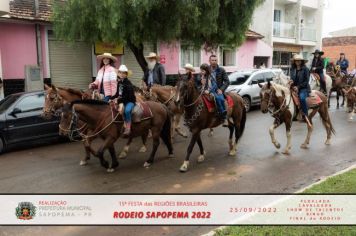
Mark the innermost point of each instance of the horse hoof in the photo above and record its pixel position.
(110, 170)
(184, 167)
(232, 153)
(83, 163)
(201, 158)
(171, 156)
(286, 152)
(143, 149)
(277, 145)
(327, 142)
(147, 164)
(304, 146)
(123, 155)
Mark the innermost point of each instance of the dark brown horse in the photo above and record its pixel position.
(166, 95)
(339, 81)
(104, 123)
(198, 118)
(277, 100)
(350, 94)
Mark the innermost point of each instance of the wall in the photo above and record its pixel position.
(171, 53)
(249, 50)
(18, 48)
(262, 21)
(333, 46)
(344, 32)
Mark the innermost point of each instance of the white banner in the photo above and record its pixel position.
(178, 210)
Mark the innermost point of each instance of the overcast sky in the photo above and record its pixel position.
(338, 14)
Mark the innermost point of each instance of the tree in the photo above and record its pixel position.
(133, 22)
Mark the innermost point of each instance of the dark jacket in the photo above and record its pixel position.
(125, 92)
(319, 65)
(344, 64)
(302, 79)
(159, 75)
(221, 78)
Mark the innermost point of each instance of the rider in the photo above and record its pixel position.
(155, 73)
(300, 79)
(210, 86)
(343, 63)
(318, 67)
(189, 71)
(219, 73)
(105, 81)
(125, 95)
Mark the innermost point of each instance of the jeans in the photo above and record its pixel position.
(220, 102)
(107, 98)
(128, 109)
(303, 94)
(322, 82)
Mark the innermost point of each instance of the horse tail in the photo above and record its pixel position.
(166, 130)
(243, 121)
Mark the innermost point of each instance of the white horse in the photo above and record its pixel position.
(315, 83)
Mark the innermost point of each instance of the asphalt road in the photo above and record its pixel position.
(257, 168)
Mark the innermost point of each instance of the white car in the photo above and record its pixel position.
(245, 83)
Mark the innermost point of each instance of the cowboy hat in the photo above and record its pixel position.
(106, 55)
(189, 67)
(123, 68)
(151, 55)
(317, 51)
(298, 57)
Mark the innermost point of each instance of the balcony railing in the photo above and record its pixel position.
(308, 34)
(284, 30)
(4, 7)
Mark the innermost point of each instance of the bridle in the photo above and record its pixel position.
(270, 105)
(56, 100)
(71, 129)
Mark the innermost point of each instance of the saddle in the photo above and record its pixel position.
(140, 112)
(313, 100)
(210, 103)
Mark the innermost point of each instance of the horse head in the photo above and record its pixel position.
(185, 90)
(265, 95)
(53, 101)
(68, 120)
(350, 95)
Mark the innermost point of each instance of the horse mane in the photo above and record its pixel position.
(90, 102)
(72, 91)
(280, 89)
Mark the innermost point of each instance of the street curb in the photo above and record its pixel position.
(321, 180)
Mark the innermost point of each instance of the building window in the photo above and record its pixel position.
(227, 56)
(190, 54)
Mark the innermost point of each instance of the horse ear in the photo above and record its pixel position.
(54, 88)
(345, 91)
(260, 85)
(46, 87)
(268, 84)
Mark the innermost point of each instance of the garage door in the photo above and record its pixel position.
(130, 61)
(70, 64)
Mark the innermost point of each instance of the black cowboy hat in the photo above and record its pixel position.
(317, 51)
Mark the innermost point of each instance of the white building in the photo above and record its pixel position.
(290, 26)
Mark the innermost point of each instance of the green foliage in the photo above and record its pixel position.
(136, 21)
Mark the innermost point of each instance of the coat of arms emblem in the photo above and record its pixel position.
(25, 211)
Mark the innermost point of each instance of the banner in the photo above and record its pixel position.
(115, 49)
(178, 210)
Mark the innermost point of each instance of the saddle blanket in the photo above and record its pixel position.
(140, 112)
(313, 100)
(209, 102)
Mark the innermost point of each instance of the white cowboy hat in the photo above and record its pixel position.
(151, 55)
(189, 67)
(123, 68)
(298, 57)
(106, 55)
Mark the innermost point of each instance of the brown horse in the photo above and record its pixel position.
(339, 81)
(104, 123)
(56, 97)
(198, 117)
(166, 95)
(351, 101)
(277, 100)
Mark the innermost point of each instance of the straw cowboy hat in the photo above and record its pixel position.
(298, 57)
(189, 67)
(107, 55)
(317, 51)
(152, 55)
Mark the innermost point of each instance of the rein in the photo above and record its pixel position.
(57, 99)
(282, 107)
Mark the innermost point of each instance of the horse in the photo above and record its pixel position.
(166, 95)
(56, 97)
(277, 100)
(314, 83)
(351, 101)
(107, 123)
(339, 80)
(198, 117)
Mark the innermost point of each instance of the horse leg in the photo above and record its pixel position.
(231, 144)
(211, 133)
(337, 98)
(107, 143)
(329, 98)
(144, 141)
(310, 129)
(194, 138)
(343, 98)
(178, 129)
(114, 162)
(201, 157)
(123, 153)
(324, 114)
(271, 133)
(87, 143)
(155, 137)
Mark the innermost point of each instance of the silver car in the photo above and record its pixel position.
(245, 83)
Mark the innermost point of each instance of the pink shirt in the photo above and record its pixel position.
(108, 75)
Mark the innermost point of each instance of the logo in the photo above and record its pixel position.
(25, 211)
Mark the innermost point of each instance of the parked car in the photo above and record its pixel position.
(245, 83)
(21, 120)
